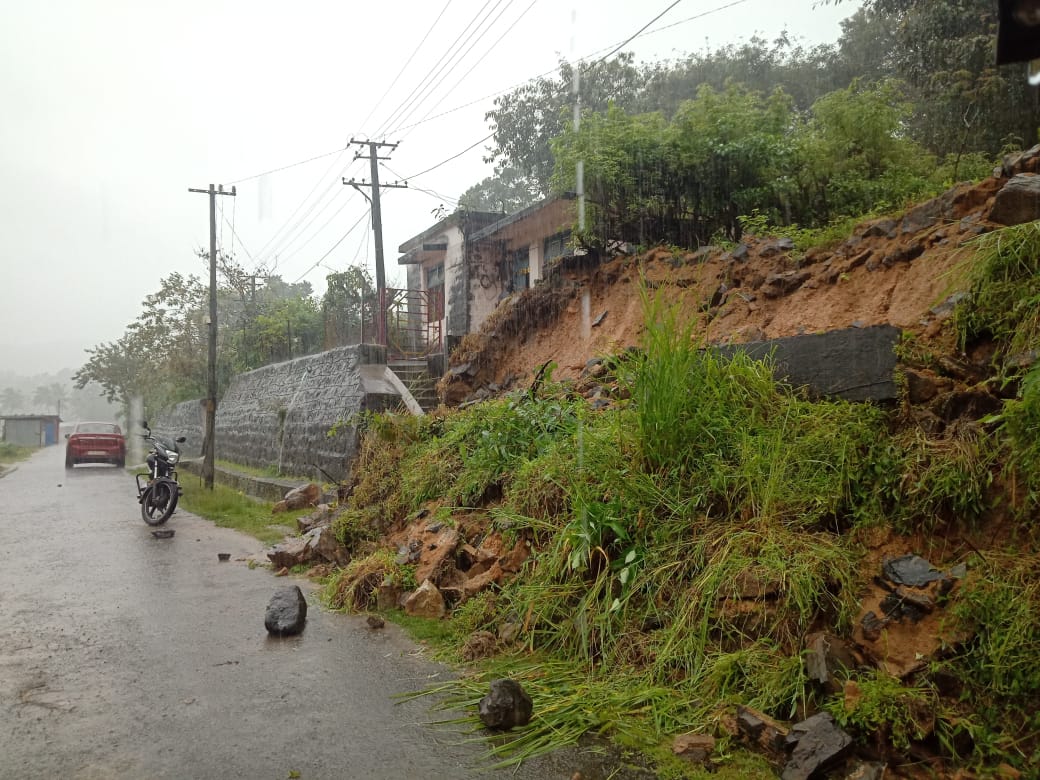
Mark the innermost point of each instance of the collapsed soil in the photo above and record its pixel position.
(894, 271)
(906, 270)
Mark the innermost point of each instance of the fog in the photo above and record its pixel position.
(112, 110)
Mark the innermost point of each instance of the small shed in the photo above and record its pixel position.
(31, 430)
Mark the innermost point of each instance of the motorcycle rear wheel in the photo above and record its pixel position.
(158, 502)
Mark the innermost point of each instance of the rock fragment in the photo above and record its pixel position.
(286, 612)
(506, 705)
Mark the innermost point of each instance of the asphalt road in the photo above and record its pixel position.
(126, 656)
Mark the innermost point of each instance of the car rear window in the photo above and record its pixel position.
(97, 428)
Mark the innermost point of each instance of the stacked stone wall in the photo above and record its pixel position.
(282, 415)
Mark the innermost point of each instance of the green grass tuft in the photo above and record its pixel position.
(228, 508)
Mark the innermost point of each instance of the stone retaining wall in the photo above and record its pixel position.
(857, 364)
(281, 415)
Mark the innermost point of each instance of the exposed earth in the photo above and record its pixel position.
(906, 270)
(896, 270)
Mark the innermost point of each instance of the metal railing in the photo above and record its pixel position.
(413, 322)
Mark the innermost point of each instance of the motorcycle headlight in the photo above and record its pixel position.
(173, 457)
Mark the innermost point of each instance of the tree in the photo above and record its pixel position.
(528, 118)
(946, 52)
(682, 181)
(162, 355)
(852, 156)
(506, 192)
(348, 306)
(51, 396)
(12, 401)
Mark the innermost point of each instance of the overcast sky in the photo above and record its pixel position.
(112, 109)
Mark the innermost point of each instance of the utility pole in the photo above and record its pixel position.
(377, 222)
(209, 445)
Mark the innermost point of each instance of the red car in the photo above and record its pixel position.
(95, 442)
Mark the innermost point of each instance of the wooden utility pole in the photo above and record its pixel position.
(209, 445)
(377, 223)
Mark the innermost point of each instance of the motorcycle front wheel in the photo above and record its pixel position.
(158, 502)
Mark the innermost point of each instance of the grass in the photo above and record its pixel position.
(1004, 300)
(12, 453)
(685, 540)
(269, 471)
(228, 508)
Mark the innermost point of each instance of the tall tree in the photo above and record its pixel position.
(528, 118)
(946, 52)
(348, 306)
(12, 400)
(507, 192)
(51, 396)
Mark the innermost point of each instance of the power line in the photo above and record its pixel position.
(431, 192)
(453, 157)
(693, 18)
(440, 80)
(504, 91)
(448, 54)
(288, 255)
(636, 35)
(305, 219)
(241, 243)
(301, 225)
(341, 240)
(275, 236)
(405, 66)
(473, 67)
(290, 165)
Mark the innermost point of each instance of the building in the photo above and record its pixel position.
(467, 263)
(31, 430)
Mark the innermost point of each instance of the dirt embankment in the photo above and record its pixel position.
(895, 270)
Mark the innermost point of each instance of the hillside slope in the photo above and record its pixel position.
(721, 542)
(896, 270)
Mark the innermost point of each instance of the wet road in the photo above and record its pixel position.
(125, 656)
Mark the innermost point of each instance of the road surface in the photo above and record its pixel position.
(127, 656)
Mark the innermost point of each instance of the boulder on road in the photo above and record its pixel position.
(286, 612)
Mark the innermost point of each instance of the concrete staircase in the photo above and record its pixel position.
(414, 375)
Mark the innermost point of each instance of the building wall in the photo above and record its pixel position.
(281, 414)
(535, 258)
(487, 284)
(25, 433)
(455, 323)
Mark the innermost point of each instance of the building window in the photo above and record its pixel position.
(520, 269)
(435, 293)
(556, 246)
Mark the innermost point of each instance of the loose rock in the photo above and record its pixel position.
(298, 498)
(286, 612)
(426, 601)
(818, 744)
(505, 706)
(1018, 201)
(694, 747)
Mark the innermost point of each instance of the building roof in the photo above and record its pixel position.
(30, 417)
(460, 218)
(521, 215)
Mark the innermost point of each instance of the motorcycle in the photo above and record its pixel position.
(159, 493)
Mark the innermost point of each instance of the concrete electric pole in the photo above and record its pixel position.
(377, 223)
(208, 447)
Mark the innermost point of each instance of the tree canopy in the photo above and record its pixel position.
(908, 86)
